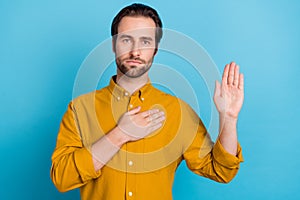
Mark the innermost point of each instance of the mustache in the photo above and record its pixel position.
(135, 59)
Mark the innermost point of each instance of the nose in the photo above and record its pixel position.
(135, 51)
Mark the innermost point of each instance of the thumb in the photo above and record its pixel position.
(134, 110)
(217, 89)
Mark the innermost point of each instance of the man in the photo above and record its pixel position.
(126, 140)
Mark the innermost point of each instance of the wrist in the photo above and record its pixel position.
(117, 137)
(228, 118)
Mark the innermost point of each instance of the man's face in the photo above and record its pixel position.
(135, 45)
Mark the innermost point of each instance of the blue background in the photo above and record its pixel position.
(43, 43)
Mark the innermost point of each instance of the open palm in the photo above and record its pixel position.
(229, 95)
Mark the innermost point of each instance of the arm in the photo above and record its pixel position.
(220, 161)
(229, 97)
(131, 127)
(210, 160)
(73, 165)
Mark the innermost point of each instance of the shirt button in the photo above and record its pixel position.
(130, 194)
(142, 99)
(126, 93)
(130, 105)
(118, 98)
(130, 163)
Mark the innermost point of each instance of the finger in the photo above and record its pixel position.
(158, 120)
(236, 76)
(149, 112)
(241, 82)
(150, 118)
(225, 75)
(134, 110)
(155, 127)
(217, 89)
(156, 115)
(231, 73)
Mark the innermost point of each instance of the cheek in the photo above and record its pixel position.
(149, 53)
(120, 59)
(121, 53)
(122, 49)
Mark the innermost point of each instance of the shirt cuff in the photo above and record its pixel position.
(226, 159)
(85, 166)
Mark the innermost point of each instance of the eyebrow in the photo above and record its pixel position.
(147, 38)
(126, 36)
(143, 37)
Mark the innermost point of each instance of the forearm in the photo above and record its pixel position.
(228, 133)
(72, 167)
(218, 164)
(106, 147)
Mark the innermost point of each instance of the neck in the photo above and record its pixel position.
(131, 84)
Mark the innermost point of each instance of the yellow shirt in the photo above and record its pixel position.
(143, 169)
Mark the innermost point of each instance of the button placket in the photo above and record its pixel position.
(133, 103)
(133, 164)
(130, 163)
(130, 182)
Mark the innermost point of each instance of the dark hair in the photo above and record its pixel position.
(137, 9)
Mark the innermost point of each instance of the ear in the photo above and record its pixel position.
(156, 49)
(113, 45)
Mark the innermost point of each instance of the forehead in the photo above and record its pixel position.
(137, 26)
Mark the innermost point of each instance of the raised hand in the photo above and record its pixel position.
(229, 95)
(137, 125)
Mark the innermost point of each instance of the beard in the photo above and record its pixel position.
(134, 71)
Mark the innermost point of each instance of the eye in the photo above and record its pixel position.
(146, 42)
(126, 40)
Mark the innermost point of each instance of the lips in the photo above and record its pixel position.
(133, 62)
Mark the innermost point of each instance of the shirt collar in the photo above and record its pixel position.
(119, 92)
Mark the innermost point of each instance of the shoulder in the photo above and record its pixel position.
(91, 97)
(170, 98)
(163, 96)
(174, 103)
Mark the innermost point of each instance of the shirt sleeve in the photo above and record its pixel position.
(210, 160)
(72, 163)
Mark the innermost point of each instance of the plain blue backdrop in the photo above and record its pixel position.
(43, 43)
